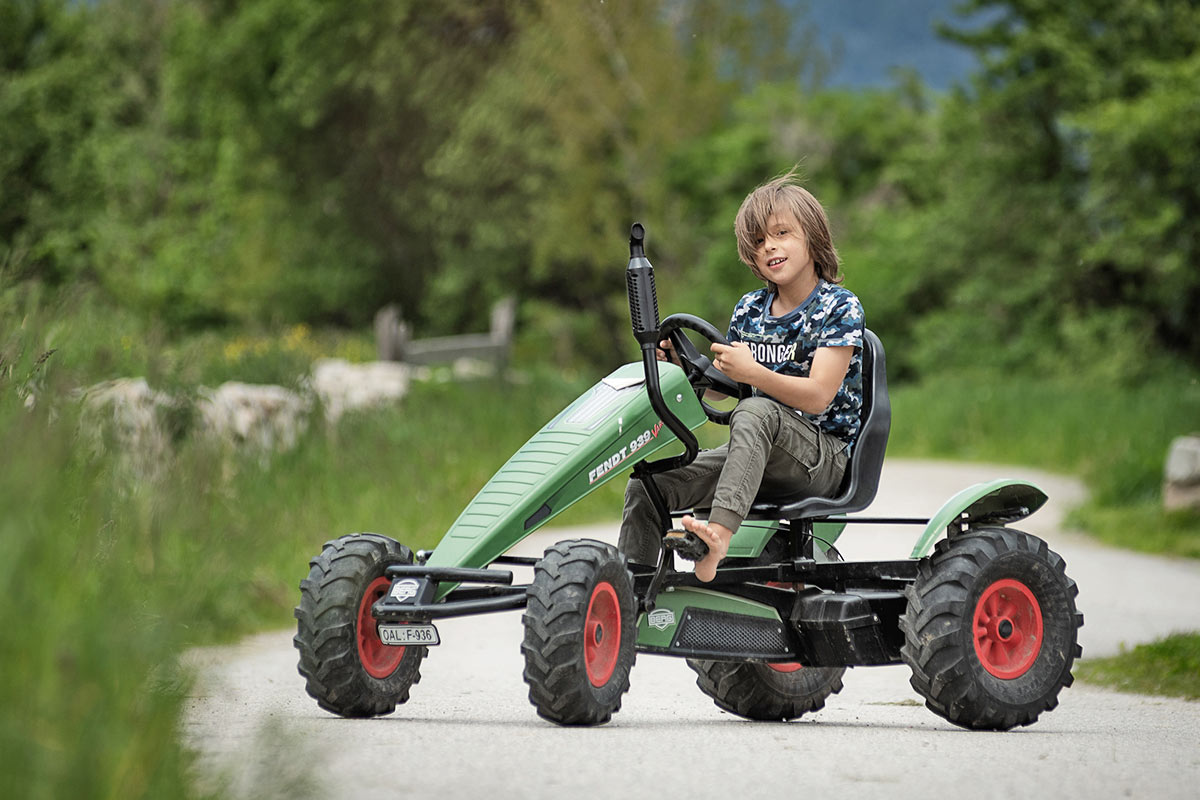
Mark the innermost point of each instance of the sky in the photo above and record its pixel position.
(872, 37)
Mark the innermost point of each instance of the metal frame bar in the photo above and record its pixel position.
(455, 574)
(453, 608)
(830, 575)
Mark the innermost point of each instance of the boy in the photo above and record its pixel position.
(798, 343)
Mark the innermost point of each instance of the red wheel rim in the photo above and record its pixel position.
(787, 666)
(1007, 629)
(602, 634)
(378, 659)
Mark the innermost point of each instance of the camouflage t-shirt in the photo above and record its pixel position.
(830, 317)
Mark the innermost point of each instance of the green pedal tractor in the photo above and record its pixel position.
(983, 614)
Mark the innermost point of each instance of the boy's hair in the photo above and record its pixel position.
(785, 195)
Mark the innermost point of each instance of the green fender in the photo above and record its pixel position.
(999, 501)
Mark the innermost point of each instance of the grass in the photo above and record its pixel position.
(1168, 667)
(94, 607)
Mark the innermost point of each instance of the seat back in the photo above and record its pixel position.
(866, 459)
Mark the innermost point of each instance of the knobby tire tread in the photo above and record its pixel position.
(937, 628)
(754, 691)
(554, 621)
(326, 637)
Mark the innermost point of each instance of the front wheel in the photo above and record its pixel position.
(580, 633)
(991, 629)
(347, 669)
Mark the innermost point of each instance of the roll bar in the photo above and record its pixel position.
(643, 315)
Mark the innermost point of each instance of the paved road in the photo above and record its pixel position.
(469, 729)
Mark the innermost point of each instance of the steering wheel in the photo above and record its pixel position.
(701, 373)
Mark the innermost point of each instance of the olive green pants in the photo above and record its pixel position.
(772, 452)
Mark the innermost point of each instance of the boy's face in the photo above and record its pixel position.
(781, 251)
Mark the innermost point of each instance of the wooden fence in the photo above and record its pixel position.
(394, 343)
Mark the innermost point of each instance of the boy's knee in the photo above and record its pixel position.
(755, 410)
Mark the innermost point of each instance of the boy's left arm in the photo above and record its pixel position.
(811, 395)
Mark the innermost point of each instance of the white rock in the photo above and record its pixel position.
(1183, 460)
(133, 414)
(134, 417)
(265, 416)
(342, 386)
(1182, 487)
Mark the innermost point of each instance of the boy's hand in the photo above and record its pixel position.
(736, 361)
(666, 352)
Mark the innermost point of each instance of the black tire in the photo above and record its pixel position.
(766, 692)
(991, 629)
(577, 666)
(347, 670)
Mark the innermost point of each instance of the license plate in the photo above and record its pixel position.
(401, 635)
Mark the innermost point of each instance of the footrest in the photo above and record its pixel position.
(686, 545)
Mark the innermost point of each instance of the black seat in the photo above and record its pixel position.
(866, 460)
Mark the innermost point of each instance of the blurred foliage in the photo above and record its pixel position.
(277, 162)
(251, 165)
(89, 695)
(1076, 222)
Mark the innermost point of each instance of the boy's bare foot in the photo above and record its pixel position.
(716, 537)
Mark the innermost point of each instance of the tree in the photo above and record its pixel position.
(574, 138)
(1088, 121)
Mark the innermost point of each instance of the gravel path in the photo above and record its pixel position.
(469, 729)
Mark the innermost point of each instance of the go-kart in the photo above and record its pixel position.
(983, 614)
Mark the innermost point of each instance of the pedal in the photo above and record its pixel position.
(686, 545)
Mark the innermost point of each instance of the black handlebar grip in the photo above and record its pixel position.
(637, 237)
(643, 298)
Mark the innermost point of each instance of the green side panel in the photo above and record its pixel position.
(750, 539)
(673, 601)
(1000, 501)
(827, 533)
(603, 433)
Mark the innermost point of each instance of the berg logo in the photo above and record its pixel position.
(661, 618)
(404, 590)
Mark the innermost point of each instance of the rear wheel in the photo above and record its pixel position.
(772, 691)
(347, 669)
(766, 691)
(991, 629)
(580, 633)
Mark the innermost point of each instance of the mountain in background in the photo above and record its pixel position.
(870, 39)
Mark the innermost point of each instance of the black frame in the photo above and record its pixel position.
(488, 590)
